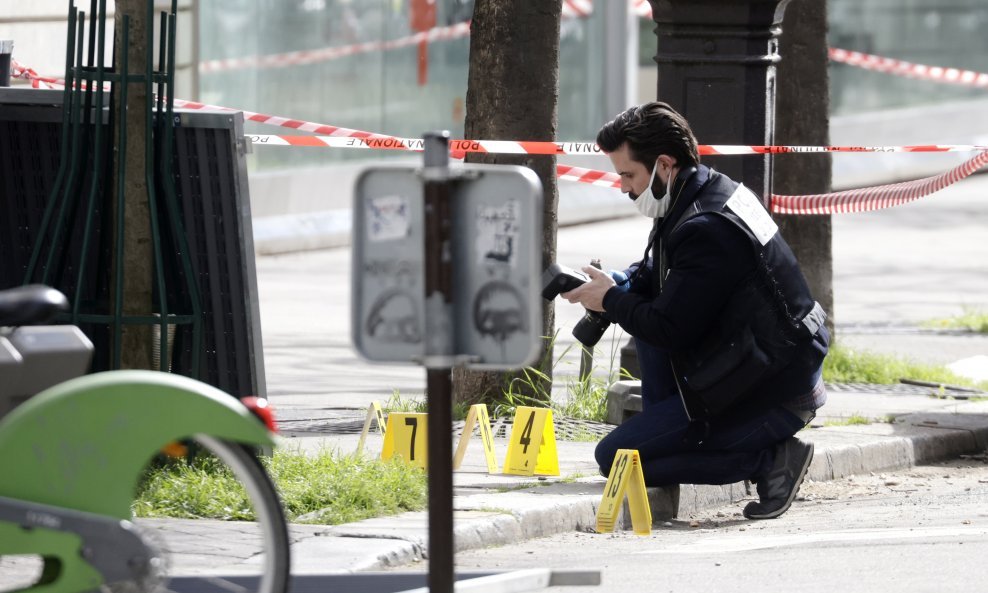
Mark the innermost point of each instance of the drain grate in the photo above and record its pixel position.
(905, 389)
(567, 429)
(346, 421)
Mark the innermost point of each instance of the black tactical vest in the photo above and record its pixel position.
(766, 320)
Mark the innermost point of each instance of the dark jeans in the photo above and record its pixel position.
(737, 447)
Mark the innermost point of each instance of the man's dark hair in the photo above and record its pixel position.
(651, 129)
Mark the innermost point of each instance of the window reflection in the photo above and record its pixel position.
(336, 62)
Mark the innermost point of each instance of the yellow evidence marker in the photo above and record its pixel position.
(405, 436)
(626, 471)
(373, 412)
(532, 446)
(477, 412)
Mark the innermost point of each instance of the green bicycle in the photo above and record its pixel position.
(73, 449)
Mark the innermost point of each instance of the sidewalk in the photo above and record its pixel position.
(497, 509)
(887, 280)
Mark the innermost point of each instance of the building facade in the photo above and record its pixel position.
(399, 67)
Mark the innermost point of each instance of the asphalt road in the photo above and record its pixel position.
(920, 530)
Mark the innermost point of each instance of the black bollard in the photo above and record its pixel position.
(716, 65)
(6, 49)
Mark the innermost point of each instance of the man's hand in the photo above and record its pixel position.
(591, 294)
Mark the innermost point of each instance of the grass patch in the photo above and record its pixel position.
(971, 319)
(853, 420)
(844, 365)
(586, 396)
(346, 488)
(402, 404)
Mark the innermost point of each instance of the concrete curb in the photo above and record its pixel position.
(499, 518)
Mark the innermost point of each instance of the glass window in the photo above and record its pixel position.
(931, 32)
(352, 64)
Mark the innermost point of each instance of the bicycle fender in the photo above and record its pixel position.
(84, 443)
(74, 574)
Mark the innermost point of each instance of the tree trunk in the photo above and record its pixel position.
(803, 117)
(512, 92)
(137, 246)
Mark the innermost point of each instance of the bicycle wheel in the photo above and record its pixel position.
(218, 555)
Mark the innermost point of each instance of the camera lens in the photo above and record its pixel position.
(590, 329)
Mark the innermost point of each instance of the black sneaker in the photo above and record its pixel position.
(777, 490)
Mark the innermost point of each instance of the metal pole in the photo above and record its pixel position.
(439, 351)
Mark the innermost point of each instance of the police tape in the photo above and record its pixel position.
(285, 122)
(584, 8)
(417, 145)
(18, 70)
(460, 30)
(382, 142)
(858, 200)
(844, 202)
(909, 69)
(577, 8)
(877, 197)
(570, 9)
(520, 147)
(302, 57)
(591, 176)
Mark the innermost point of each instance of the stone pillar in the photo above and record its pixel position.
(716, 65)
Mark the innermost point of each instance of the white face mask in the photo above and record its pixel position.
(651, 206)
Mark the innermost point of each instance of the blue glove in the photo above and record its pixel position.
(621, 279)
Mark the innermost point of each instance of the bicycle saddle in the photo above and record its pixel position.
(31, 304)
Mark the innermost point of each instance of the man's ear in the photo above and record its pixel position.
(667, 161)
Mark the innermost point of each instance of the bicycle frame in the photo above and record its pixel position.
(82, 446)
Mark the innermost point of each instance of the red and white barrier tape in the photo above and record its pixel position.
(840, 202)
(875, 198)
(459, 30)
(415, 144)
(296, 124)
(642, 8)
(260, 118)
(720, 149)
(844, 202)
(559, 148)
(18, 70)
(296, 58)
(577, 8)
(591, 176)
(571, 9)
(857, 200)
(908, 69)
(584, 8)
(576, 148)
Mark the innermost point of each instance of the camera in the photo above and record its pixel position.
(558, 279)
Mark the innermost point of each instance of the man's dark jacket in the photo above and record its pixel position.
(715, 285)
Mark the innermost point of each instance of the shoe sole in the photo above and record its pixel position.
(795, 490)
